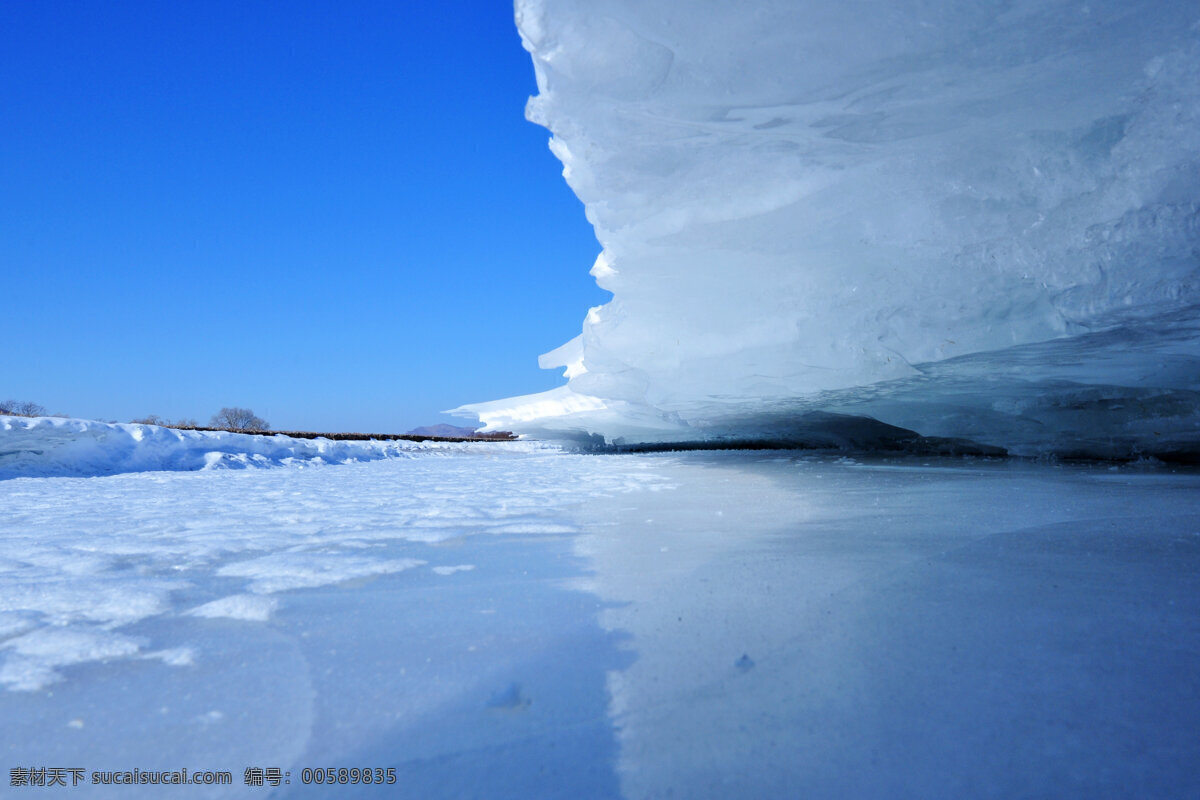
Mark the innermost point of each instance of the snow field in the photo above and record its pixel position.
(82, 559)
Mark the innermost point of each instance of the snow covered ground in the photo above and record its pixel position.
(510, 620)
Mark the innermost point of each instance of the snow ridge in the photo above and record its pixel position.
(51, 446)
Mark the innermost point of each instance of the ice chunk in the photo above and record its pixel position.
(33, 657)
(252, 607)
(965, 220)
(283, 571)
(453, 569)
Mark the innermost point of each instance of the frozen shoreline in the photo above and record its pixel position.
(32, 447)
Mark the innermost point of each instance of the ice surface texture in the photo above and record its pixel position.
(82, 560)
(699, 625)
(972, 219)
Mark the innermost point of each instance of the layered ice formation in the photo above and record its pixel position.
(973, 220)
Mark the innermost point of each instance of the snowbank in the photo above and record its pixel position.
(51, 446)
(879, 208)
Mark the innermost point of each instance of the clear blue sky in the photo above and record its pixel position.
(335, 214)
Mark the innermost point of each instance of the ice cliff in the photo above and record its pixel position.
(976, 220)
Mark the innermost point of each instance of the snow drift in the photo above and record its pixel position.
(975, 220)
(50, 446)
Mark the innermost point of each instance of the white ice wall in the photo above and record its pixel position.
(878, 207)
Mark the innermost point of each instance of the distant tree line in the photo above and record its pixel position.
(25, 408)
(230, 418)
(155, 419)
(239, 419)
(234, 418)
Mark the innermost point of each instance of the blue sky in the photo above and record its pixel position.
(335, 214)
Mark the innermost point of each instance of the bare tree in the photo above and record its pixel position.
(150, 419)
(239, 419)
(22, 409)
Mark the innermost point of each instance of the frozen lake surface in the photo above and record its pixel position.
(506, 621)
